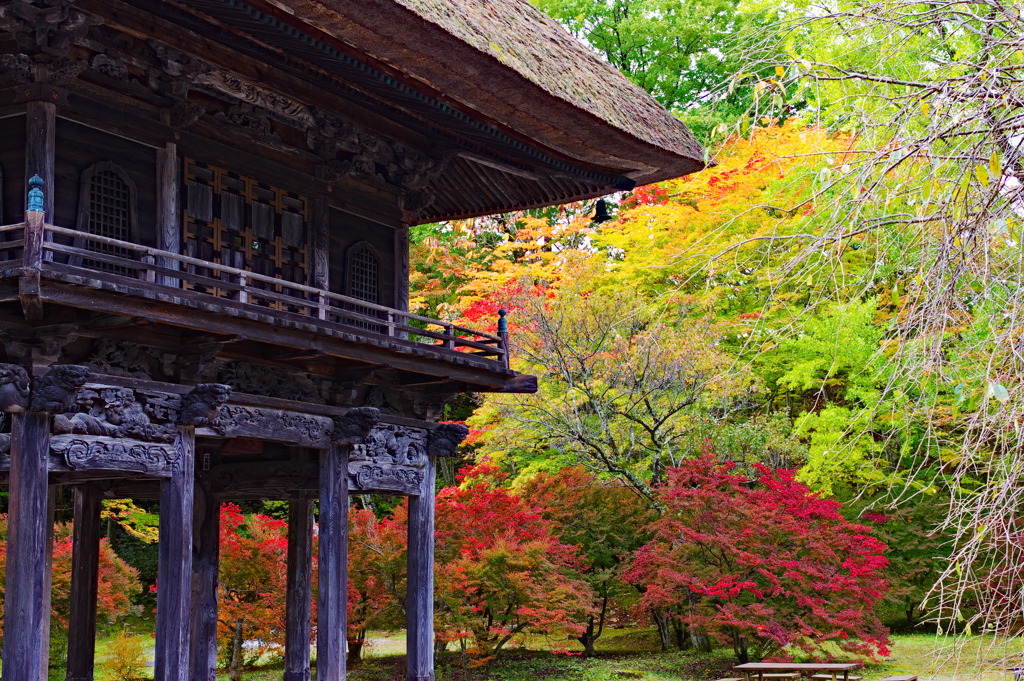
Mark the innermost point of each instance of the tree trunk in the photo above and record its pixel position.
(235, 671)
(588, 637)
(355, 647)
(739, 646)
(664, 632)
(679, 629)
(698, 635)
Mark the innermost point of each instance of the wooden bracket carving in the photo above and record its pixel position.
(44, 27)
(57, 391)
(15, 388)
(444, 440)
(199, 408)
(355, 426)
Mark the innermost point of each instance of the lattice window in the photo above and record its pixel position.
(107, 207)
(240, 222)
(363, 274)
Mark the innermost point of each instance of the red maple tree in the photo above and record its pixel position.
(500, 570)
(765, 565)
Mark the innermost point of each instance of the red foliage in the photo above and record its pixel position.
(768, 566)
(648, 195)
(118, 581)
(253, 575)
(500, 571)
(376, 574)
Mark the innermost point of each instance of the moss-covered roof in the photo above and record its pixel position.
(536, 46)
(519, 70)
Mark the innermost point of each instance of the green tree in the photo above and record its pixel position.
(671, 48)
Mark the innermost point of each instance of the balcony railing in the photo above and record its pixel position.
(102, 262)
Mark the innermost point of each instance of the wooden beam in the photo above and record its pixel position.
(205, 569)
(85, 560)
(332, 614)
(174, 566)
(24, 651)
(300, 590)
(419, 607)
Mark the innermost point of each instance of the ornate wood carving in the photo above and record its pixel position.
(199, 408)
(269, 381)
(444, 440)
(15, 390)
(116, 412)
(355, 426)
(304, 430)
(121, 358)
(57, 391)
(391, 459)
(99, 453)
(44, 27)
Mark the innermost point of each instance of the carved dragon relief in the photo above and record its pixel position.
(118, 454)
(116, 412)
(305, 430)
(392, 458)
(268, 381)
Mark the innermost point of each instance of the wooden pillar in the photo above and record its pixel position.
(419, 606)
(85, 561)
(319, 243)
(402, 268)
(174, 565)
(168, 211)
(206, 568)
(26, 615)
(40, 148)
(300, 590)
(332, 614)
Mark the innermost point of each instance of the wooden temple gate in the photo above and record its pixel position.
(123, 438)
(205, 213)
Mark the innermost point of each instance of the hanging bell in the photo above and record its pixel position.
(601, 213)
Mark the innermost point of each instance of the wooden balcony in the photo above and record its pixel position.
(66, 267)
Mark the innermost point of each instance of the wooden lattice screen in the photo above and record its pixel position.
(241, 222)
(107, 207)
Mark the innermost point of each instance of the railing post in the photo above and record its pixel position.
(321, 305)
(148, 275)
(503, 335)
(391, 323)
(35, 216)
(243, 282)
(449, 336)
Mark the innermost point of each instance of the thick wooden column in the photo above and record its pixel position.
(402, 268)
(332, 611)
(85, 561)
(319, 243)
(205, 570)
(174, 565)
(168, 212)
(419, 606)
(40, 147)
(300, 590)
(26, 616)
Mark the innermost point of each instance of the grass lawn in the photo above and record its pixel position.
(635, 654)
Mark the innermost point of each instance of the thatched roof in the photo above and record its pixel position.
(521, 71)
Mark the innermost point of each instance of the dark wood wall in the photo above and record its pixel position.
(348, 230)
(12, 165)
(78, 148)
